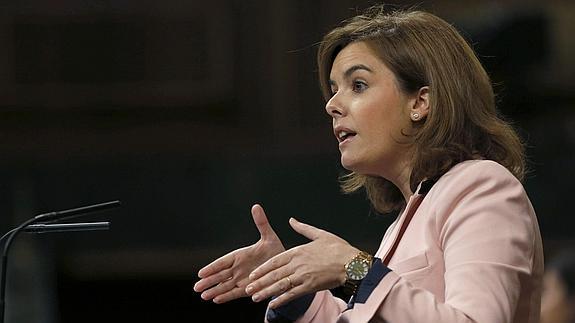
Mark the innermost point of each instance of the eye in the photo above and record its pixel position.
(359, 86)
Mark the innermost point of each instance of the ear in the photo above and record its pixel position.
(420, 107)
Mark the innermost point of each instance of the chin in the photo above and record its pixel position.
(358, 168)
(347, 167)
(347, 164)
(351, 165)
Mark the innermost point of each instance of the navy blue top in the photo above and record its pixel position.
(297, 307)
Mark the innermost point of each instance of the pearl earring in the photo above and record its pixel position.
(415, 116)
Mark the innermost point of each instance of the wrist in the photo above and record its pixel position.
(355, 271)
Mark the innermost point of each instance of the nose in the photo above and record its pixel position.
(334, 107)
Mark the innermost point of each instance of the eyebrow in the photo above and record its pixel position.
(354, 68)
(351, 70)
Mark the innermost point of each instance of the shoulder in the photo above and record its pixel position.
(480, 168)
(478, 172)
(484, 179)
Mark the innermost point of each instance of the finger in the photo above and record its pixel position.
(219, 289)
(270, 279)
(217, 265)
(306, 230)
(229, 296)
(272, 264)
(209, 281)
(279, 287)
(262, 223)
(289, 295)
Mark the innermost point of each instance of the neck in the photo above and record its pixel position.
(400, 177)
(403, 183)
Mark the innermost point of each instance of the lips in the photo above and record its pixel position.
(343, 134)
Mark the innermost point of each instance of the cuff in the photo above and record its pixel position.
(376, 273)
(290, 311)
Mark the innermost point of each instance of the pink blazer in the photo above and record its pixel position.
(472, 253)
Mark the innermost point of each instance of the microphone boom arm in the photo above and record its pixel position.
(44, 225)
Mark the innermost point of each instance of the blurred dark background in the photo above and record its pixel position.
(191, 111)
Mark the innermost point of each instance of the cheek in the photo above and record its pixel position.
(376, 119)
(383, 126)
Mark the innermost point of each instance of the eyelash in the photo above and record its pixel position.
(357, 87)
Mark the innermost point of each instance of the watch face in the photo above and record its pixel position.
(357, 270)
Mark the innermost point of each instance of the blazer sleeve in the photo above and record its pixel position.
(324, 308)
(486, 228)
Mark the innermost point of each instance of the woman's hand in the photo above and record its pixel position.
(225, 279)
(317, 265)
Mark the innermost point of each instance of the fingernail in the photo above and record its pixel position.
(249, 289)
(256, 298)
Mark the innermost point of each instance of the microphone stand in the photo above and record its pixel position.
(44, 225)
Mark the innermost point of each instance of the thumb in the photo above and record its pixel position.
(262, 223)
(305, 230)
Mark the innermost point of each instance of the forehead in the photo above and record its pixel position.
(354, 54)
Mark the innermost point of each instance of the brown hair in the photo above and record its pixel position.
(421, 50)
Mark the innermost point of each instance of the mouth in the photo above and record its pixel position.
(344, 135)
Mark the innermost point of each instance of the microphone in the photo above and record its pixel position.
(71, 213)
(44, 225)
(65, 227)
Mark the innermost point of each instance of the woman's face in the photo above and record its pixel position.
(369, 113)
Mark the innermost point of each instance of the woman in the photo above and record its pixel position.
(414, 115)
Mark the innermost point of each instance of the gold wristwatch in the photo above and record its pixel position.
(356, 270)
